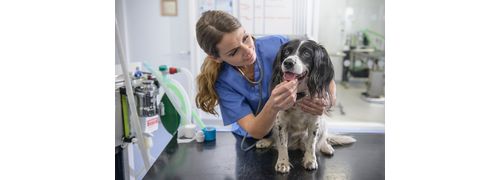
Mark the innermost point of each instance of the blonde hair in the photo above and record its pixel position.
(210, 29)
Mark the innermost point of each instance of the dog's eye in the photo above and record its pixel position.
(287, 52)
(306, 54)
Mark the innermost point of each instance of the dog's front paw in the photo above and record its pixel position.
(282, 166)
(310, 163)
(263, 143)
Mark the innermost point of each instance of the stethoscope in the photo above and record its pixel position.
(259, 83)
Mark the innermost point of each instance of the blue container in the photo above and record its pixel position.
(209, 133)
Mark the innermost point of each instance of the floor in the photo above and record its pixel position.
(358, 114)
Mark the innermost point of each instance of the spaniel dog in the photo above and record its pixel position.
(308, 62)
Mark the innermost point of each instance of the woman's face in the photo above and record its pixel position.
(237, 48)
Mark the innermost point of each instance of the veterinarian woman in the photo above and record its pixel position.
(236, 75)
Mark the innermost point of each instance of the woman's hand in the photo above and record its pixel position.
(314, 106)
(317, 106)
(284, 95)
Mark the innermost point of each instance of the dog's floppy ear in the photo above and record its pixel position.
(277, 72)
(321, 71)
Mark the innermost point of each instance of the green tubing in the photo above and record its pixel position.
(197, 119)
(177, 92)
(194, 115)
(169, 85)
(367, 31)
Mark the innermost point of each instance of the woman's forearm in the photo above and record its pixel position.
(263, 122)
(283, 96)
(258, 126)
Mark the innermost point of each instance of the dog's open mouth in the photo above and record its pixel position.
(288, 76)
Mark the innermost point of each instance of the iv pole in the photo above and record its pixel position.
(130, 97)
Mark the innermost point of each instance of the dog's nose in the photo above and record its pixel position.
(288, 63)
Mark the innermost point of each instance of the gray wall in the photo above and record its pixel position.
(157, 39)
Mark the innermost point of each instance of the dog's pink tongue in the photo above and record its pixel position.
(289, 76)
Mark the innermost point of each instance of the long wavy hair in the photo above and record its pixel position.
(210, 29)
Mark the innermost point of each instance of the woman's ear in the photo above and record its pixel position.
(218, 60)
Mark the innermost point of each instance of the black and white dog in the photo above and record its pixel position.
(308, 62)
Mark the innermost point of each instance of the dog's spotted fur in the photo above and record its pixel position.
(293, 128)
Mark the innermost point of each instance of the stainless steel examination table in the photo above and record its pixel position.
(223, 159)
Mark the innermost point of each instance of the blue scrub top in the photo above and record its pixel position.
(237, 97)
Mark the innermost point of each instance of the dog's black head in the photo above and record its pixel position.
(306, 61)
